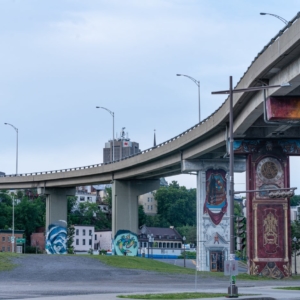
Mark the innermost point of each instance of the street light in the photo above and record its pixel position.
(184, 238)
(150, 240)
(231, 154)
(278, 17)
(16, 129)
(295, 240)
(13, 204)
(198, 84)
(113, 115)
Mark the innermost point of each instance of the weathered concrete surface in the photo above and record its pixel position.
(83, 278)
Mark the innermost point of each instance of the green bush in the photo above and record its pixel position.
(188, 255)
(32, 250)
(102, 252)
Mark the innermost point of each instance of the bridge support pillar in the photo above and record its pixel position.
(213, 207)
(125, 202)
(56, 218)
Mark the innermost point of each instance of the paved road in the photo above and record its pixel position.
(84, 278)
(191, 263)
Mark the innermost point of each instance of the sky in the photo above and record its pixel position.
(62, 58)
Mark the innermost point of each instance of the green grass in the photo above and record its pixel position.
(133, 262)
(175, 296)
(290, 288)
(5, 261)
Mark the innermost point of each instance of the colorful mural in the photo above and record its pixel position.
(126, 243)
(286, 146)
(283, 108)
(216, 201)
(56, 238)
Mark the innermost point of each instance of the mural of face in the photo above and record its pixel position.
(125, 243)
(56, 238)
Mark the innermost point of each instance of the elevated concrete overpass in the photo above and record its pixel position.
(278, 62)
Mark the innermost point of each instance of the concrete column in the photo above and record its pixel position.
(56, 203)
(125, 202)
(56, 218)
(206, 229)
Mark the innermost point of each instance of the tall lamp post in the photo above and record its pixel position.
(183, 239)
(278, 17)
(113, 116)
(295, 240)
(231, 91)
(13, 203)
(150, 241)
(198, 84)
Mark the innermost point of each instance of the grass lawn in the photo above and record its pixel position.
(133, 262)
(290, 288)
(5, 261)
(174, 296)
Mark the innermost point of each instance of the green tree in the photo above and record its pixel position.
(295, 200)
(30, 214)
(142, 216)
(295, 232)
(176, 205)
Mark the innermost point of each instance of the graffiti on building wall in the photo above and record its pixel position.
(215, 204)
(126, 243)
(56, 238)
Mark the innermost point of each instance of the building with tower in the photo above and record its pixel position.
(122, 146)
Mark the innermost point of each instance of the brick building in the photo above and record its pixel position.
(5, 240)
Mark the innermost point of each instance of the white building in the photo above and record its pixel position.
(295, 213)
(84, 238)
(103, 240)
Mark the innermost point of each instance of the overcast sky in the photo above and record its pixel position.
(62, 58)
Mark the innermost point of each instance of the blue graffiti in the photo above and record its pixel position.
(56, 238)
(125, 243)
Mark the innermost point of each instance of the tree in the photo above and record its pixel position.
(176, 205)
(295, 232)
(295, 200)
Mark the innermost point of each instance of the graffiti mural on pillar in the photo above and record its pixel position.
(286, 146)
(215, 204)
(126, 243)
(56, 238)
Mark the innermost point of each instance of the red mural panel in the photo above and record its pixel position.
(268, 220)
(283, 108)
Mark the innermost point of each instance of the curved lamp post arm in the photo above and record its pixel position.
(197, 82)
(113, 116)
(193, 79)
(17, 131)
(278, 17)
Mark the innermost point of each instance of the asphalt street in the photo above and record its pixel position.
(84, 278)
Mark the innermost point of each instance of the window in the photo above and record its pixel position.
(148, 199)
(83, 242)
(95, 237)
(81, 198)
(148, 207)
(89, 199)
(3, 249)
(77, 241)
(90, 232)
(83, 231)
(151, 207)
(3, 239)
(77, 231)
(90, 241)
(8, 249)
